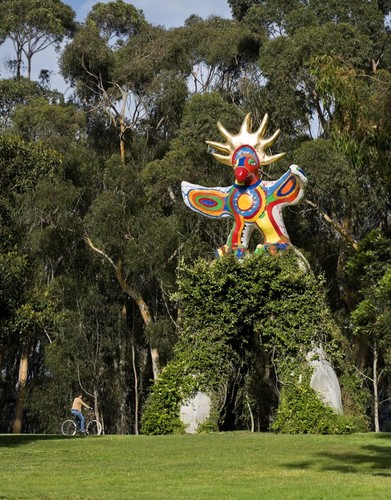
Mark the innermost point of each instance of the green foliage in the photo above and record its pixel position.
(21, 167)
(12, 281)
(87, 56)
(159, 92)
(372, 317)
(37, 19)
(40, 120)
(83, 348)
(368, 264)
(22, 164)
(234, 317)
(162, 335)
(237, 296)
(239, 8)
(116, 20)
(20, 91)
(54, 389)
(369, 271)
(221, 44)
(161, 415)
(210, 425)
(354, 396)
(302, 412)
(369, 274)
(361, 111)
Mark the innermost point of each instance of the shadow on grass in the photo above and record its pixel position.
(370, 459)
(13, 440)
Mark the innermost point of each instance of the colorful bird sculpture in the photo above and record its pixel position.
(250, 201)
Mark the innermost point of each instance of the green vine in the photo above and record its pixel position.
(241, 324)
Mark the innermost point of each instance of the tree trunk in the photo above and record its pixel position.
(21, 391)
(144, 310)
(145, 314)
(133, 293)
(121, 367)
(19, 55)
(375, 389)
(29, 66)
(136, 395)
(97, 412)
(122, 138)
(362, 346)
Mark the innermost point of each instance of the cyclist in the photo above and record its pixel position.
(76, 411)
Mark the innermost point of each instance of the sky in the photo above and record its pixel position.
(168, 13)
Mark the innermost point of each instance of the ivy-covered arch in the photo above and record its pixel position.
(245, 330)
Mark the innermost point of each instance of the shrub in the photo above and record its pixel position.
(302, 412)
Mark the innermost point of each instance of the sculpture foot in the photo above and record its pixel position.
(271, 248)
(224, 250)
(239, 252)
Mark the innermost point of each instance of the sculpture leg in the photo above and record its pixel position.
(234, 241)
(273, 238)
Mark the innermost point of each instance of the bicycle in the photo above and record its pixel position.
(93, 427)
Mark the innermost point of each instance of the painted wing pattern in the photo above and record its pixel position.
(211, 202)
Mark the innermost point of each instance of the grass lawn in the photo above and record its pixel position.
(237, 465)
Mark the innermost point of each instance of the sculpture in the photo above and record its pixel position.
(250, 201)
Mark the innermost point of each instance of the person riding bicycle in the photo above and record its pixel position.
(76, 411)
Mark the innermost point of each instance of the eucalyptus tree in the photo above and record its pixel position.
(277, 11)
(369, 273)
(13, 277)
(326, 74)
(117, 21)
(355, 93)
(293, 33)
(221, 52)
(33, 26)
(87, 351)
(23, 165)
(372, 319)
(358, 129)
(86, 347)
(109, 63)
(58, 125)
(360, 99)
(130, 78)
(20, 92)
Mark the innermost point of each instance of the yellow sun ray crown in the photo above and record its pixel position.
(245, 137)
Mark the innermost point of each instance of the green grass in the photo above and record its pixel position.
(236, 465)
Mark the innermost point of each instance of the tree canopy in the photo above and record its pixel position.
(101, 262)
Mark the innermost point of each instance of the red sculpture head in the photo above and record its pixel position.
(246, 165)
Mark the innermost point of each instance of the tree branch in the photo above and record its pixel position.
(133, 293)
(100, 252)
(340, 229)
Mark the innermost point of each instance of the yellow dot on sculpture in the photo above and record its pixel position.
(245, 202)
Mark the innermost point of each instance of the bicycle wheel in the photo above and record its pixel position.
(68, 428)
(94, 428)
